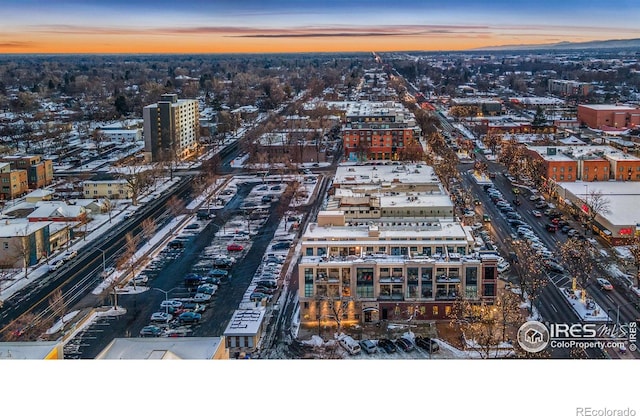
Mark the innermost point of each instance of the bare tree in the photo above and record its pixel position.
(176, 206)
(148, 229)
(634, 248)
(57, 305)
(575, 254)
(22, 246)
(597, 204)
(138, 180)
(107, 206)
(532, 278)
(481, 329)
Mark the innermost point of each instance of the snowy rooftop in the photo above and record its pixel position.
(245, 322)
(623, 198)
(607, 107)
(537, 100)
(416, 199)
(195, 348)
(418, 231)
(402, 173)
(27, 350)
(21, 227)
(582, 152)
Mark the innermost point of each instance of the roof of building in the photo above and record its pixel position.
(406, 230)
(607, 107)
(39, 193)
(36, 350)
(623, 198)
(20, 227)
(567, 153)
(56, 209)
(245, 322)
(352, 173)
(180, 348)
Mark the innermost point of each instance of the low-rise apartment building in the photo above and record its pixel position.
(13, 183)
(112, 189)
(39, 171)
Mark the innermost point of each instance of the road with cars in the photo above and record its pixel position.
(551, 304)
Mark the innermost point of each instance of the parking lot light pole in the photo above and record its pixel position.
(166, 296)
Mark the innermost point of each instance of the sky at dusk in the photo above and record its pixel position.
(261, 26)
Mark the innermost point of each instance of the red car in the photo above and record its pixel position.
(234, 247)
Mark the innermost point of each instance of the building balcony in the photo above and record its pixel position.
(391, 297)
(390, 279)
(452, 295)
(447, 279)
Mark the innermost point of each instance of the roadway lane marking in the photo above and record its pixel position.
(609, 297)
(553, 307)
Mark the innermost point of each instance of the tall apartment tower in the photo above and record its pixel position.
(171, 129)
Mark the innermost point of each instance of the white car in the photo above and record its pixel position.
(604, 283)
(503, 267)
(171, 304)
(161, 317)
(201, 297)
(56, 265)
(70, 255)
(536, 213)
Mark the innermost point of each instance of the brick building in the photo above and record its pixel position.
(597, 116)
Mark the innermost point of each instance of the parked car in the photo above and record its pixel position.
(258, 296)
(56, 265)
(404, 344)
(219, 273)
(171, 303)
(192, 279)
(235, 247)
(387, 345)
(604, 283)
(503, 267)
(536, 213)
(161, 317)
(201, 297)
(281, 246)
(207, 289)
(427, 344)
(349, 344)
(552, 228)
(193, 226)
(211, 280)
(70, 255)
(151, 331)
(189, 317)
(368, 346)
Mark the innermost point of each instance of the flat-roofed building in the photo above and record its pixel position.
(586, 163)
(13, 183)
(165, 348)
(598, 116)
(39, 170)
(244, 331)
(379, 130)
(112, 189)
(390, 270)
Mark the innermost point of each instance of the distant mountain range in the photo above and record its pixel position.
(595, 44)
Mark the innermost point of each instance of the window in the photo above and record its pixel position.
(435, 311)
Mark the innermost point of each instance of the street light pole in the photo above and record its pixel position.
(104, 267)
